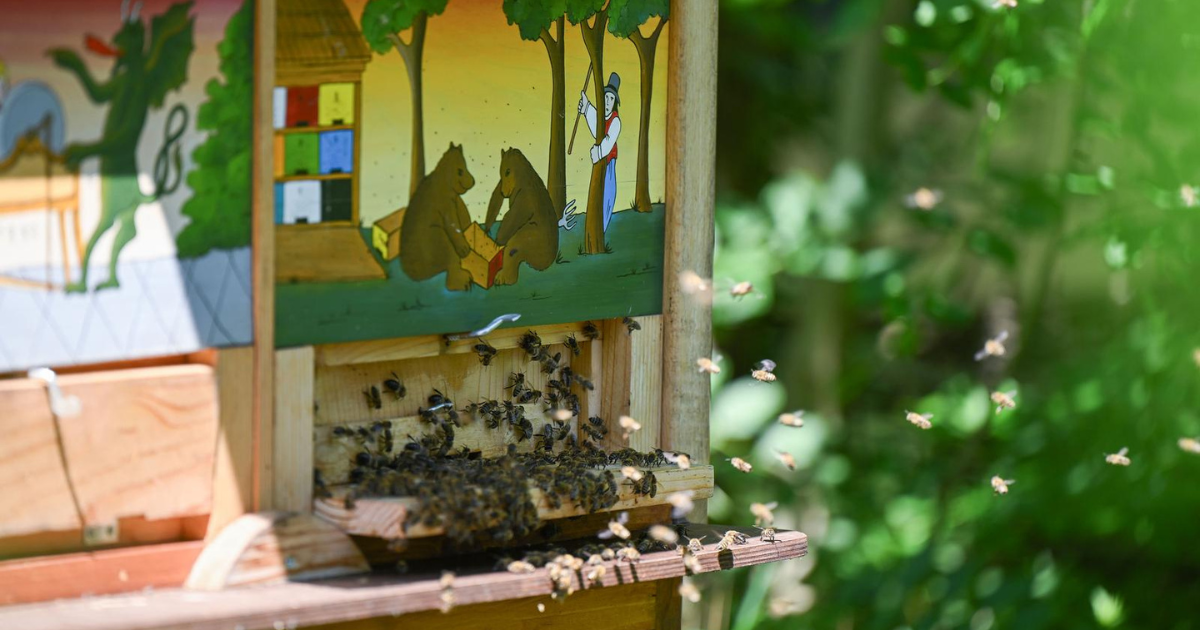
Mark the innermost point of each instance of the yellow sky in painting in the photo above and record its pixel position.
(487, 89)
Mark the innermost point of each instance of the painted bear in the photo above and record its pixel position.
(431, 235)
(529, 229)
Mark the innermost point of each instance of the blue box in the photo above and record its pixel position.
(278, 204)
(337, 151)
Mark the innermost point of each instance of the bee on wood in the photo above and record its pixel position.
(646, 486)
(681, 503)
(530, 342)
(663, 534)
(688, 591)
(596, 574)
(764, 371)
(630, 325)
(373, 399)
(629, 425)
(561, 430)
(572, 344)
(520, 566)
(342, 432)
(740, 464)
(629, 554)
(551, 363)
(763, 512)
(438, 398)
(522, 430)
(590, 332)
(616, 527)
(447, 579)
(1000, 485)
(529, 396)
(427, 415)
(741, 289)
(792, 419)
(993, 347)
(1190, 445)
(516, 383)
(395, 386)
(1004, 400)
(696, 545)
(708, 365)
(682, 460)
(1120, 458)
(923, 199)
(786, 459)
(731, 538)
(595, 428)
(920, 419)
(485, 351)
(766, 534)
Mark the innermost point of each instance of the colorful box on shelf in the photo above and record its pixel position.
(385, 235)
(485, 259)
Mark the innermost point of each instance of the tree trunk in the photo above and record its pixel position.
(593, 40)
(556, 172)
(412, 53)
(646, 47)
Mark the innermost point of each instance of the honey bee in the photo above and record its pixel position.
(688, 591)
(529, 396)
(763, 512)
(447, 579)
(437, 398)
(1120, 458)
(1190, 445)
(561, 415)
(629, 424)
(530, 342)
(779, 608)
(596, 574)
(708, 365)
(395, 386)
(767, 534)
(692, 283)
(993, 347)
(541, 607)
(616, 528)
(925, 199)
(919, 419)
(663, 534)
(516, 383)
(632, 473)
(740, 464)
(764, 371)
(572, 344)
(588, 385)
(1004, 400)
(1011, 4)
(629, 554)
(485, 351)
(679, 459)
(731, 538)
(1188, 195)
(447, 600)
(681, 503)
(787, 459)
(692, 563)
(595, 428)
(520, 566)
(792, 418)
(590, 332)
(373, 399)
(696, 545)
(1000, 485)
(630, 325)
(741, 289)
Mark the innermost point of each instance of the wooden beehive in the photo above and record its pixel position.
(385, 235)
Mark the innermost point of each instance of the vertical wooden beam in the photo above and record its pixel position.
(691, 150)
(293, 442)
(615, 367)
(668, 605)
(233, 477)
(263, 256)
(645, 382)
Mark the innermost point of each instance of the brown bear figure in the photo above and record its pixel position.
(431, 235)
(529, 230)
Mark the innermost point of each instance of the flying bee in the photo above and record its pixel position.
(1004, 400)
(1011, 4)
(520, 566)
(560, 415)
(679, 459)
(485, 351)
(692, 563)
(691, 283)
(1120, 458)
(688, 591)
(708, 365)
(373, 399)
(766, 534)
(395, 386)
(1000, 485)
(764, 371)
(786, 459)
(616, 528)
(572, 344)
(629, 425)
(1187, 194)
(919, 419)
(447, 579)
(993, 347)
(763, 512)
(530, 342)
(792, 418)
(741, 464)
(630, 325)
(925, 199)
(741, 289)
(632, 473)
(663, 534)
(586, 384)
(1190, 445)
(629, 554)
(681, 503)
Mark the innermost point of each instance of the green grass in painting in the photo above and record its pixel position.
(626, 281)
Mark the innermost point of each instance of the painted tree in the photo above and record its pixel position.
(535, 19)
(625, 20)
(580, 12)
(383, 22)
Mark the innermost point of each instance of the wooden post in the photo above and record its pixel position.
(292, 446)
(691, 143)
(263, 256)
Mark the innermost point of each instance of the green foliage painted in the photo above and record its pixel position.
(625, 16)
(220, 205)
(533, 16)
(384, 19)
(580, 10)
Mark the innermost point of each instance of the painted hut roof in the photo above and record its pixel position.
(318, 36)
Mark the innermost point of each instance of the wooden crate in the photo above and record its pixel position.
(385, 234)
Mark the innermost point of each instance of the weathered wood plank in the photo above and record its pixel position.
(263, 253)
(375, 351)
(233, 475)
(645, 383)
(292, 445)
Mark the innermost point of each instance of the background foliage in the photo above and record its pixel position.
(1060, 134)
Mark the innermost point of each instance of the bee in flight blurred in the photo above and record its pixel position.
(1000, 485)
(920, 419)
(1187, 194)
(1004, 400)
(1010, 4)
(688, 591)
(741, 289)
(708, 365)
(629, 424)
(616, 528)
(764, 513)
(786, 459)
(1120, 458)
(764, 371)
(740, 464)
(692, 284)
(792, 418)
(993, 347)
(924, 199)
(1190, 445)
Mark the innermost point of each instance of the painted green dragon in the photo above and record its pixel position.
(142, 75)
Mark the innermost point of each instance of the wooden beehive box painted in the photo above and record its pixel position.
(385, 235)
(486, 257)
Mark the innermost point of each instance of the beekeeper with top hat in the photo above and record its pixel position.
(607, 149)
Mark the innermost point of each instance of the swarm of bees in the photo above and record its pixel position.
(920, 419)
(1000, 485)
(764, 371)
(1120, 458)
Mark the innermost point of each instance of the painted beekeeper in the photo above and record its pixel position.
(607, 149)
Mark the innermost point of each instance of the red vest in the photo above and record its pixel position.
(612, 155)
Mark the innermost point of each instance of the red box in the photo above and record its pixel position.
(302, 106)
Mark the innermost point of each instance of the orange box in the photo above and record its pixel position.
(485, 259)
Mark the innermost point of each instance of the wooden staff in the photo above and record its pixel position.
(587, 79)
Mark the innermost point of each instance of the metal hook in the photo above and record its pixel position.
(60, 405)
(510, 317)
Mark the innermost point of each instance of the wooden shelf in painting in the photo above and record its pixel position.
(314, 129)
(327, 176)
(302, 604)
(383, 517)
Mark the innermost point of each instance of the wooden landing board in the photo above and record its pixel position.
(348, 599)
(384, 517)
(435, 345)
(143, 446)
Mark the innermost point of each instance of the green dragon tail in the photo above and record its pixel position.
(169, 160)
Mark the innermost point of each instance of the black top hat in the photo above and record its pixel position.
(614, 84)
